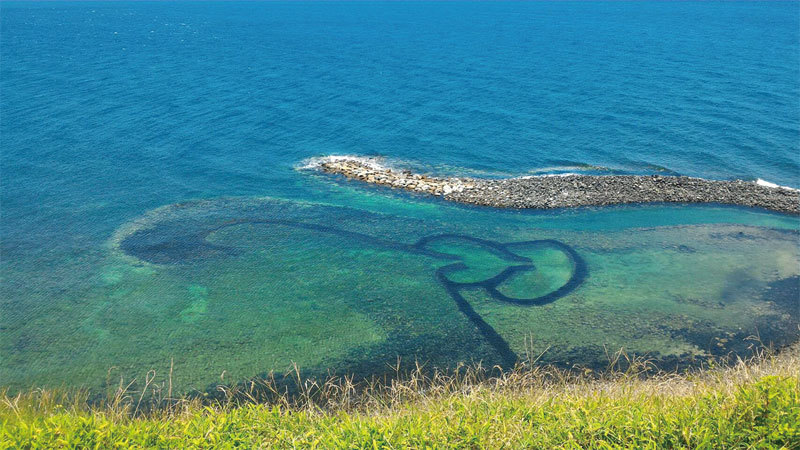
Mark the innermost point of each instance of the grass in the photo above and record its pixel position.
(746, 404)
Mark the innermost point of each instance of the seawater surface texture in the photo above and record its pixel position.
(153, 208)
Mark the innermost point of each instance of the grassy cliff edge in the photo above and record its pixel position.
(750, 404)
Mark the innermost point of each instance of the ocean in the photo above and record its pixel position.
(156, 208)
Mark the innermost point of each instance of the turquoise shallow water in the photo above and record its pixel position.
(242, 286)
(151, 206)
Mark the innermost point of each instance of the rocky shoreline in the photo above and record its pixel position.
(561, 191)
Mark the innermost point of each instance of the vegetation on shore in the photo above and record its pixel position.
(747, 404)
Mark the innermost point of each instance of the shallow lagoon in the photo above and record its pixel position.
(232, 288)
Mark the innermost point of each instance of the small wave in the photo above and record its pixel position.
(560, 170)
(460, 171)
(660, 169)
(547, 175)
(766, 183)
(383, 163)
(567, 166)
(315, 162)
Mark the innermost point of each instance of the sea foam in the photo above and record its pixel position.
(766, 183)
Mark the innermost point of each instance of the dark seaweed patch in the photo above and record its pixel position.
(158, 247)
(772, 330)
(785, 293)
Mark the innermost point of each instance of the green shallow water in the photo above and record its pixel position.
(233, 288)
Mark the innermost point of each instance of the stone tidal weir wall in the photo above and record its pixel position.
(561, 191)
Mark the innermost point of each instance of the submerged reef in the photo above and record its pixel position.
(508, 282)
(250, 285)
(570, 190)
(176, 245)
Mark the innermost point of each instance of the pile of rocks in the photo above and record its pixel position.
(573, 190)
(403, 179)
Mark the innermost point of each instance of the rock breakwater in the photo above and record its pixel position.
(561, 191)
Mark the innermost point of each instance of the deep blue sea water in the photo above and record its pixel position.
(109, 110)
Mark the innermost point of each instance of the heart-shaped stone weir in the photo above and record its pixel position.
(527, 273)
